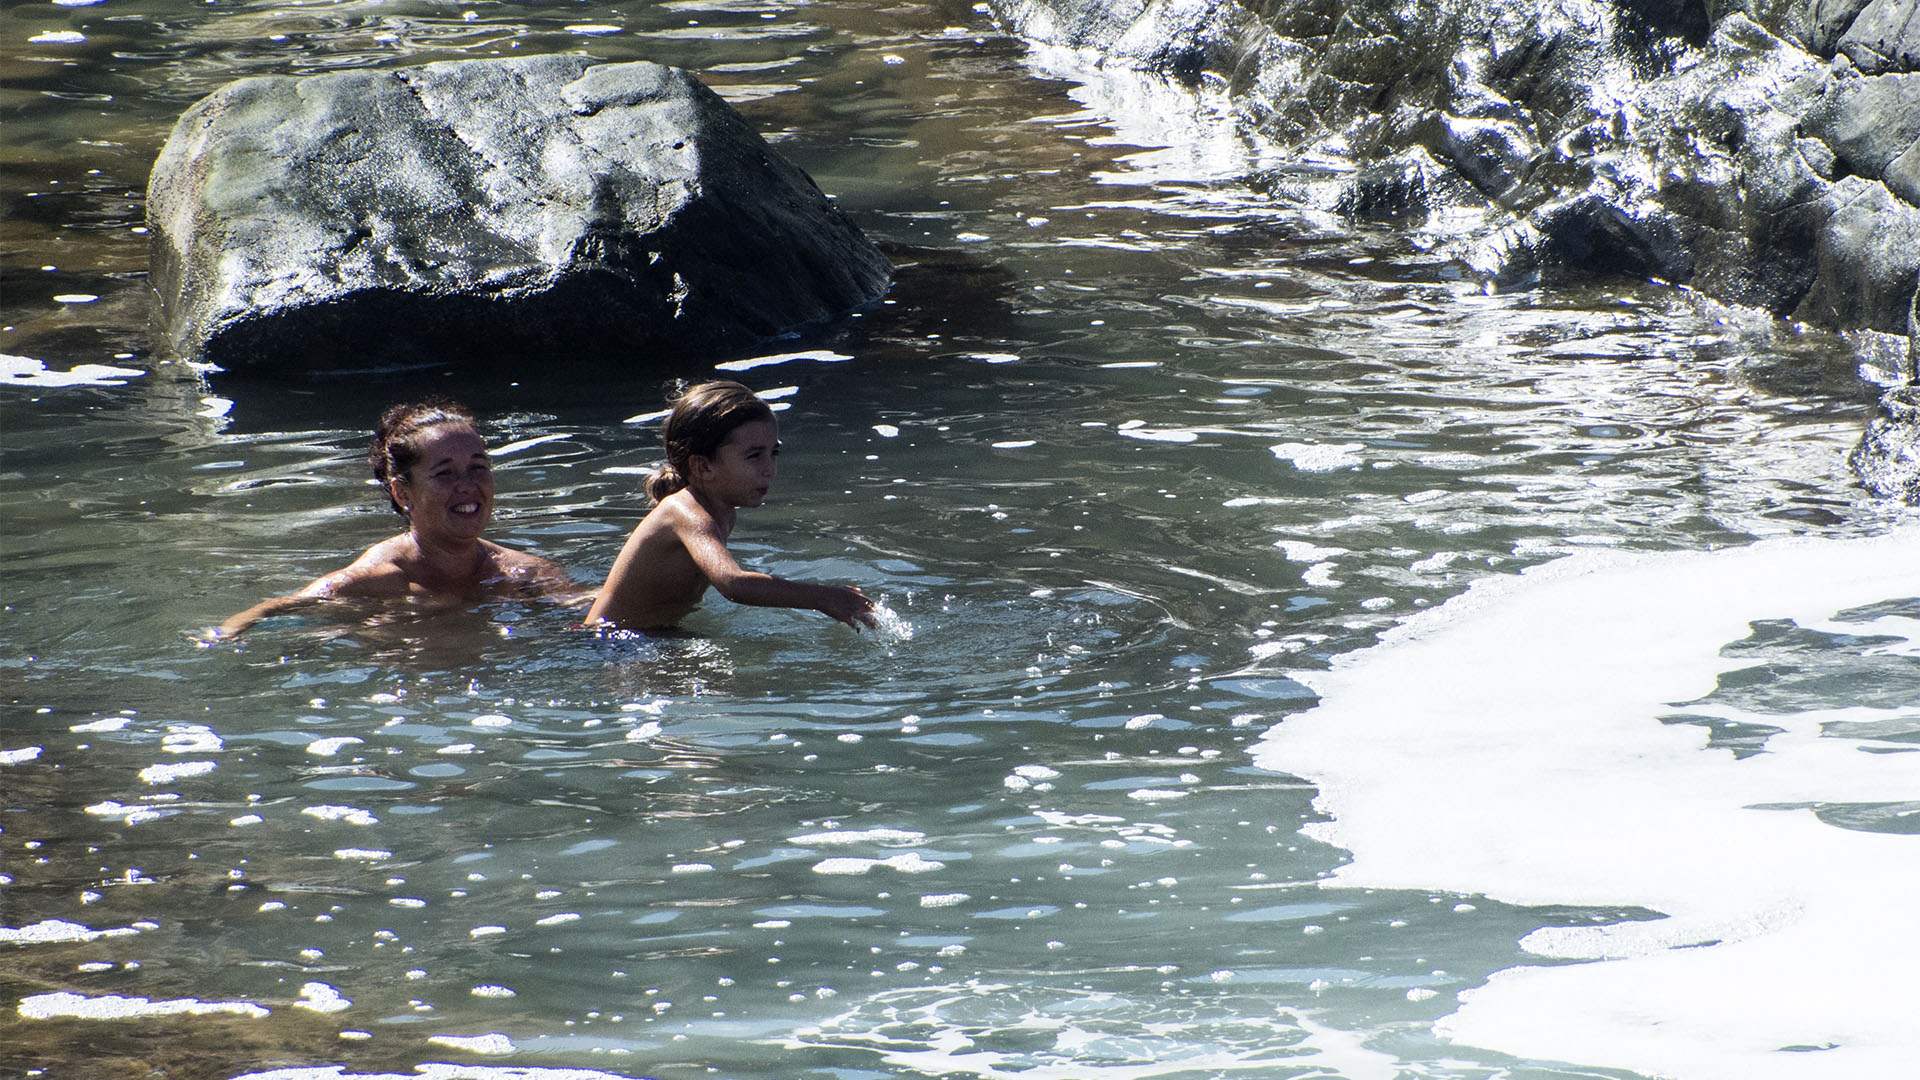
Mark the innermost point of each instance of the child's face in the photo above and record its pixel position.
(740, 472)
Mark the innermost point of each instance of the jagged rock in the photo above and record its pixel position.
(1764, 152)
(1867, 249)
(1698, 141)
(1884, 37)
(487, 208)
(1821, 23)
(1212, 30)
(1872, 127)
(1887, 460)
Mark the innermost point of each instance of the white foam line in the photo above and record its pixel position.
(1510, 744)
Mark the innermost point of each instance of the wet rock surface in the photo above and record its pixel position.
(1765, 153)
(494, 209)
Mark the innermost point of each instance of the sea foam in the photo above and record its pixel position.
(1520, 743)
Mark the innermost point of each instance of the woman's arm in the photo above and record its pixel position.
(265, 609)
(540, 578)
(373, 574)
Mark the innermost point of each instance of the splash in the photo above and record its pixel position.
(888, 627)
(1549, 740)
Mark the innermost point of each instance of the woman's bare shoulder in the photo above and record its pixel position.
(377, 572)
(508, 562)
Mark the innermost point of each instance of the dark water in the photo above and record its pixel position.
(1142, 440)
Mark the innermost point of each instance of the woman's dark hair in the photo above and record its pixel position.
(702, 418)
(398, 440)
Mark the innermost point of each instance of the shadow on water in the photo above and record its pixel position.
(934, 291)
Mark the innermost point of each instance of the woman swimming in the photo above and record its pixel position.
(431, 460)
(721, 443)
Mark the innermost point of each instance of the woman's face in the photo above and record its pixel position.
(449, 490)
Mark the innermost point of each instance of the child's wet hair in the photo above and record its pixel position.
(703, 415)
(399, 438)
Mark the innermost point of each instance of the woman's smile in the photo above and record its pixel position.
(453, 474)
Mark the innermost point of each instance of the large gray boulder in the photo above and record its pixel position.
(1763, 152)
(487, 209)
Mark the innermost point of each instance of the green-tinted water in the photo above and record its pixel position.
(1127, 445)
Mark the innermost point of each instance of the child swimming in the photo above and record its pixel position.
(721, 442)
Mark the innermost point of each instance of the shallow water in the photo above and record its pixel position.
(1145, 461)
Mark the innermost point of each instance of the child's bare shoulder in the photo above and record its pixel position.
(684, 514)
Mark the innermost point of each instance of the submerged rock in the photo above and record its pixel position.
(487, 208)
(1888, 457)
(1763, 152)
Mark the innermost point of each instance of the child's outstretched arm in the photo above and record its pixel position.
(701, 537)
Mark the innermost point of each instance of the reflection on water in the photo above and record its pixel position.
(1134, 449)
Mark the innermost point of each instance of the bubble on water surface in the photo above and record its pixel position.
(330, 747)
(131, 815)
(163, 774)
(1155, 794)
(352, 815)
(859, 836)
(1319, 457)
(20, 756)
(191, 739)
(321, 998)
(59, 931)
(1004, 1030)
(115, 1007)
(436, 1069)
(910, 863)
(491, 1044)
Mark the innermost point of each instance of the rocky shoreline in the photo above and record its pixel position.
(1764, 153)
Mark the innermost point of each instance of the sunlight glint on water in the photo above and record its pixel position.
(1131, 454)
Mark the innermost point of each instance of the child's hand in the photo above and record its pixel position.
(849, 605)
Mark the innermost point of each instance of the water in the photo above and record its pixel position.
(1146, 462)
